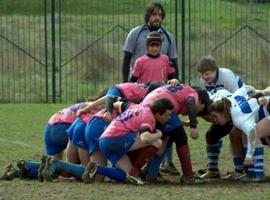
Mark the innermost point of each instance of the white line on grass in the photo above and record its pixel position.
(16, 142)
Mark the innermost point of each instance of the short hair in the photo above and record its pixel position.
(206, 63)
(161, 105)
(150, 8)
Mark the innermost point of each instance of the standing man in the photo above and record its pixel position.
(135, 47)
(135, 44)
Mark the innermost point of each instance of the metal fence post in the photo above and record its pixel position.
(53, 51)
(46, 51)
(183, 39)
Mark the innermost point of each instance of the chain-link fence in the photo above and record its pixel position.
(62, 51)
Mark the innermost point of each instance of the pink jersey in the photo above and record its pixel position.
(152, 69)
(133, 91)
(100, 113)
(67, 115)
(177, 95)
(86, 116)
(132, 120)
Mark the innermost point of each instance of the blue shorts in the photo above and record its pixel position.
(173, 123)
(76, 133)
(93, 130)
(115, 148)
(114, 91)
(55, 138)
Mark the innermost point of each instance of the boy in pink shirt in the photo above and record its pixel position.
(153, 66)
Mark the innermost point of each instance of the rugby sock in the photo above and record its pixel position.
(238, 163)
(213, 151)
(73, 169)
(258, 161)
(112, 173)
(185, 161)
(168, 155)
(32, 169)
(153, 165)
(144, 156)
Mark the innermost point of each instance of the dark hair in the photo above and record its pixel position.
(161, 105)
(153, 37)
(221, 106)
(203, 95)
(206, 63)
(100, 94)
(150, 8)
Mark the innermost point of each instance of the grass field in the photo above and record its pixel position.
(21, 136)
(92, 37)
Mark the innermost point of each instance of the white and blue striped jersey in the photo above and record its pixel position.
(225, 79)
(245, 113)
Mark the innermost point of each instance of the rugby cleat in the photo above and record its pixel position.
(9, 174)
(49, 172)
(210, 174)
(252, 178)
(89, 173)
(234, 176)
(22, 168)
(169, 168)
(41, 168)
(134, 180)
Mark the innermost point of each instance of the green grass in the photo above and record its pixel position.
(85, 23)
(21, 128)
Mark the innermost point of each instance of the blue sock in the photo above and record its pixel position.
(113, 173)
(213, 151)
(32, 167)
(73, 169)
(258, 161)
(238, 163)
(168, 155)
(153, 165)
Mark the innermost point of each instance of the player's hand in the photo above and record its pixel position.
(248, 161)
(158, 132)
(173, 82)
(107, 116)
(194, 134)
(262, 101)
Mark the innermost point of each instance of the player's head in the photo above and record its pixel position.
(207, 67)
(204, 101)
(161, 108)
(153, 43)
(220, 111)
(154, 14)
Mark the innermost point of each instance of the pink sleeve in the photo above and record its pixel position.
(169, 69)
(149, 122)
(137, 68)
